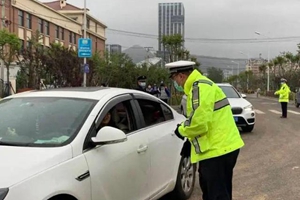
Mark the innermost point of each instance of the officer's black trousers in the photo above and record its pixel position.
(284, 109)
(216, 176)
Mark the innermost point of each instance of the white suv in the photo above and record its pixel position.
(242, 110)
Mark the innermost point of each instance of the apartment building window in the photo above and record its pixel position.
(28, 44)
(21, 17)
(74, 38)
(62, 33)
(70, 37)
(88, 23)
(40, 25)
(28, 21)
(22, 46)
(57, 32)
(47, 28)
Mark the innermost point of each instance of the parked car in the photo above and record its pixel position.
(91, 143)
(243, 111)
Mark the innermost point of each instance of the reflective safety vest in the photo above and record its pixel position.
(210, 127)
(284, 93)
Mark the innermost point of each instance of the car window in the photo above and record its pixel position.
(167, 112)
(230, 92)
(42, 121)
(120, 116)
(152, 112)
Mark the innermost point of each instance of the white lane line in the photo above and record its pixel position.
(294, 112)
(259, 112)
(275, 111)
(269, 103)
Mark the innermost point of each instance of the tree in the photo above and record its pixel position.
(9, 47)
(32, 61)
(174, 45)
(215, 74)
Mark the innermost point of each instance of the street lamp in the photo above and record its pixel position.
(238, 72)
(248, 56)
(268, 68)
(231, 69)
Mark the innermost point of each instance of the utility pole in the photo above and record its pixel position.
(84, 36)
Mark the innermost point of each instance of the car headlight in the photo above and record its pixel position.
(3, 193)
(248, 108)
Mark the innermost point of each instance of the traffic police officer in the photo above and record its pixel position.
(141, 83)
(284, 93)
(210, 128)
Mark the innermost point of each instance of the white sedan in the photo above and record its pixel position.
(91, 143)
(242, 110)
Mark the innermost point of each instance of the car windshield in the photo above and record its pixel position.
(230, 92)
(42, 121)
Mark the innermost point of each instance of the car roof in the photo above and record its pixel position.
(93, 93)
(223, 84)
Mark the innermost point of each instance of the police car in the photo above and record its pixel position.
(243, 111)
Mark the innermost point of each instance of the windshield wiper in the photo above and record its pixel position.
(16, 144)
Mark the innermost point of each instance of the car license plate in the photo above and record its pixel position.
(236, 119)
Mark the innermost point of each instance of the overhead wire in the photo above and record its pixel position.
(187, 39)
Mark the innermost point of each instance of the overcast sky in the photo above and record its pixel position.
(205, 19)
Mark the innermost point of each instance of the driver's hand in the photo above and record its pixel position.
(11, 132)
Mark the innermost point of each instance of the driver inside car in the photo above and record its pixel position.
(107, 120)
(113, 119)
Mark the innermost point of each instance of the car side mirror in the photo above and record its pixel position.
(109, 135)
(244, 96)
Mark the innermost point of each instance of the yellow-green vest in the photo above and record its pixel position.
(283, 93)
(210, 126)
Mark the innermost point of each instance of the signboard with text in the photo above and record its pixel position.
(84, 48)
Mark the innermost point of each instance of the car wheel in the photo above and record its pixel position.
(247, 128)
(185, 180)
(297, 105)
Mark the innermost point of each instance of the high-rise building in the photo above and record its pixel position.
(114, 48)
(170, 21)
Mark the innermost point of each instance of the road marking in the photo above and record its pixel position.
(294, 112)
(259, 112)
(275, 111)
(269, 103)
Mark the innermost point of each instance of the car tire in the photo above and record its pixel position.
(248, 128)
(297, 105)
(186, 178)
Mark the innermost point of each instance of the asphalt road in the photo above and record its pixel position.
(268, 166)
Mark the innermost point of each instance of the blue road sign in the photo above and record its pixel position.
(86, 68)
(84, 48)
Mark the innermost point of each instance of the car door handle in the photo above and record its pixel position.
(142, 149)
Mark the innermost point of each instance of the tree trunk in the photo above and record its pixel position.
(7, 78)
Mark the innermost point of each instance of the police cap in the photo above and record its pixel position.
(283, 80)
(180, 66)
(142, 78)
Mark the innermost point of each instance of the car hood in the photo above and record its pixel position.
(238, 102)
(20, 163)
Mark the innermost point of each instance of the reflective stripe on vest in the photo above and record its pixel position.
(196, 103)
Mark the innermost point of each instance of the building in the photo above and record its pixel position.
(55, 21)
(95, 28)
(114, 48)
(254, 64)
(171, 21)
(149, 62)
